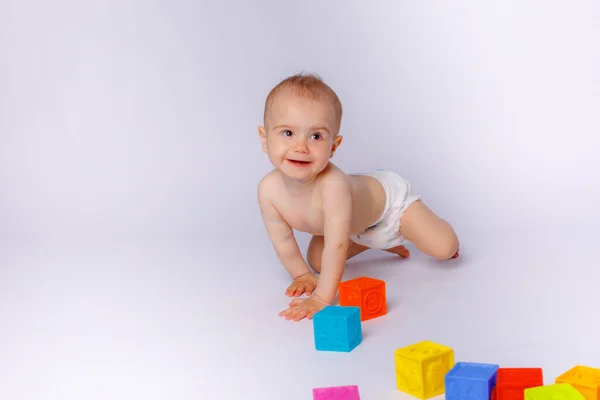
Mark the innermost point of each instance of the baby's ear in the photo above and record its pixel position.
(336, 143)
(263, 137)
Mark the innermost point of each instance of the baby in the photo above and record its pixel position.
(346, 214)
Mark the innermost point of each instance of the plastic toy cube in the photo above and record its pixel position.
(469, 380)
(337, 328)
(585, 380)
(512, 382)
(421, 367)
(366, 293)
(336, 393)
(558, 391)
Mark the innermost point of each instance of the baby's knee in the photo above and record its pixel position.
(446, 248)
(313, 260)
(315, 265)
(314, 252)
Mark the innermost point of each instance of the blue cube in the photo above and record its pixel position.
(473, 381)
(337, 328)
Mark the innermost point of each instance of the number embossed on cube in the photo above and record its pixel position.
(366, 293)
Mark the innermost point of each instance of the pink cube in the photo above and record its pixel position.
(336, 393)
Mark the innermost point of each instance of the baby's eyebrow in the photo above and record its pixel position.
(321, 128)
(314, 128)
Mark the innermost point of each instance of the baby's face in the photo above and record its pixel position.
(300, 135)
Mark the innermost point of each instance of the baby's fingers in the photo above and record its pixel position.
(285, 313)
(296, 289)
(297, 314)
(295, 302)
(301, 289)
(290, 290)
(293, 290)
(288, 314)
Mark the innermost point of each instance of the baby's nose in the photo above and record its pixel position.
(300, 146)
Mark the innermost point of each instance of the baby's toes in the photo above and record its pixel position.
(402, 251)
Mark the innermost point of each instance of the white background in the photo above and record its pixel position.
(133, 261)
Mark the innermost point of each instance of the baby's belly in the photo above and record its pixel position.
(368, 202)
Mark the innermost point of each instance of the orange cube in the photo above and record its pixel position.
(366, 293)
(583, 378)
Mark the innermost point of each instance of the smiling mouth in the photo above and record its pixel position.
(299, 163)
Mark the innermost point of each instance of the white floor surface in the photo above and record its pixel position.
(198, 320)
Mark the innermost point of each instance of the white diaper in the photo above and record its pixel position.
(399, 195)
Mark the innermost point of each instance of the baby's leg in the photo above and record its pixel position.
(429, 233)
(315, 251)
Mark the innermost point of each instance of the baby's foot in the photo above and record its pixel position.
(455, 254)
(400, 250)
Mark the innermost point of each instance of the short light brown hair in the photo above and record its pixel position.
(309, 86)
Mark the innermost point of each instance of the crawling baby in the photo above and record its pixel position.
(346, 214)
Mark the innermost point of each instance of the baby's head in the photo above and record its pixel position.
(302, 119)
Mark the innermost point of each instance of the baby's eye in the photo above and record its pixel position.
(286, 133)
(316, 136)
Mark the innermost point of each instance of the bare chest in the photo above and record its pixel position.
(303, 214)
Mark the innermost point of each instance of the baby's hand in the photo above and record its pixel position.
(300, 308)
(303, 284)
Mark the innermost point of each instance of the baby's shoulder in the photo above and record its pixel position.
(334, 180)
(269, 185)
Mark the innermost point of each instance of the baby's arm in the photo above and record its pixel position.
(337, 210)
(281, 234)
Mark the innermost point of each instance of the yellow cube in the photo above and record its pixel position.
(422, 367)
(585, 379)
(558, 391)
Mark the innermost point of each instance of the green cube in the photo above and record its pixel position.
(557, 391)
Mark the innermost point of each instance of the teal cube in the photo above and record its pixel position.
(337, 328)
